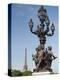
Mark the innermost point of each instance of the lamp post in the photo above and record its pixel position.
(43, 31)
(43, 28)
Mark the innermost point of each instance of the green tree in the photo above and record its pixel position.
(16, 73)
(27, 73)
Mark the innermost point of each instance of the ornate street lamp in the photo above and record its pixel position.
(43, 28)
(42, 32)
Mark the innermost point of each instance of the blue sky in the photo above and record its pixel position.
(22, 38)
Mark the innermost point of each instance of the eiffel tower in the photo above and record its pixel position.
(25, 64)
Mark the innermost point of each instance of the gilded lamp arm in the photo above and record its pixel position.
(31, 27)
